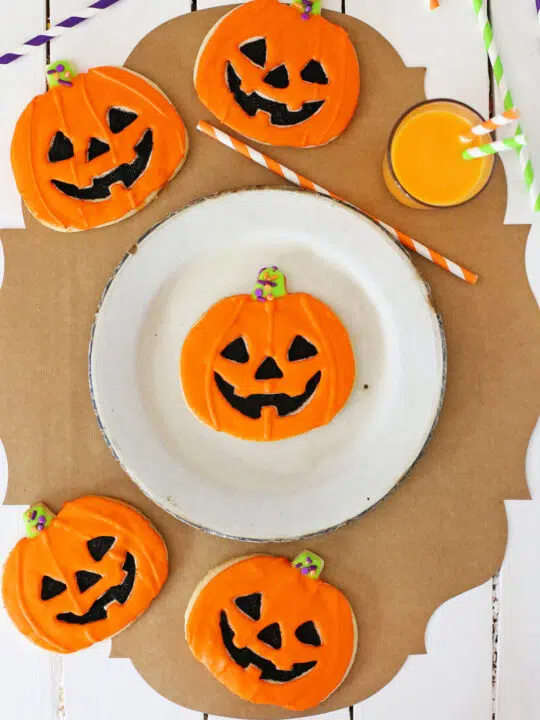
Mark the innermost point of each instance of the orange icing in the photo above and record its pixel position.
(268, 329)
(80, 112)
(60, 551)
(289, 599)
(292, 42)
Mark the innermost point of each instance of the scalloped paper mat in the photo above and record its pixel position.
(441, 532)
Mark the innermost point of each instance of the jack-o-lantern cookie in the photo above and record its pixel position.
(83, 575)
(96, 147)
(267, 366)
(272, 631)
(280, 74)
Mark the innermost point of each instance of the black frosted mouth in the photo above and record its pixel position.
(245, 657)
(280, 114)
(126, 173)
(117, 593)
(252, 405)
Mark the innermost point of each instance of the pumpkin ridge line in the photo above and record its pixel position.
(33, 170)
(106, 132)
(24, 609)
(72, 163)
(269, 416)
(142, 553)
(329, 351)
(63, 577)
(210, 364)
(100, 73)
(79, 533)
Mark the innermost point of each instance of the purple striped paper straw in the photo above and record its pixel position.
(56, 30)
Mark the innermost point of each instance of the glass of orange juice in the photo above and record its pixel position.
(423, 167)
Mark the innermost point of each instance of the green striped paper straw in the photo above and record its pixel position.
(480, 8)
(498, 146)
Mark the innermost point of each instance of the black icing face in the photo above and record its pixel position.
(251, 405)
(275, 78)
(97, 547)
(61, 149)
(270, 635)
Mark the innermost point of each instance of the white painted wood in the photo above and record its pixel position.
(453, 679)
(101, 688)
(451, 682)
(29, 676)
(532, 258)
(109, 37)
(3, 456)
(19, 81)
(444, 41)
(517, 698)
(515, 28)
(518, 692)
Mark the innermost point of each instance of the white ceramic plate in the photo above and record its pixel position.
(289, 488)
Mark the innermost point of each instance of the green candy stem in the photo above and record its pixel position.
(309, 564)
(60, 73)
(270, 284)
(37, 518)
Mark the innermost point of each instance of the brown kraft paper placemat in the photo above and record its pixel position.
(441, 532)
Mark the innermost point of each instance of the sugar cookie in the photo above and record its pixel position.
(83, 575)
(267, 366)
(95, 148)
(280, 74)
(272, 631)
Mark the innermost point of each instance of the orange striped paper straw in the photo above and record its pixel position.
(294, 177)
(488, 126)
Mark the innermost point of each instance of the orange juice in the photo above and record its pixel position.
(424, 166)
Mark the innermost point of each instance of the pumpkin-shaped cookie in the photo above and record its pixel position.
(95, 148)
(272, 632)
(83, 575)
(279, 75)
(267, 366)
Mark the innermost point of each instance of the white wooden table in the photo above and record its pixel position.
(482, 656)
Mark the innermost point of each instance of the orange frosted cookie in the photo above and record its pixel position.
(83, 575)
(272, 631)
(280, 74)
(96, 147)
(267, 366)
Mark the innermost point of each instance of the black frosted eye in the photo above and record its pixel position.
(236, 351)
(278, 77)
(86, 579)
(61, 148)
(255, 50)
(307, 634)
(96, 148)
(271, 636)
(98, 547)
(119, 118)
(313, 72)
(301, 349)
(50, 588)
(250, 605)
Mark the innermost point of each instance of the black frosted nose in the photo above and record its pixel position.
(268, 370)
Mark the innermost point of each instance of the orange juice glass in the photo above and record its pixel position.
(423, 167)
